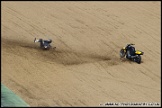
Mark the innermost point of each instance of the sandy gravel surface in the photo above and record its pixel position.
(85, 68)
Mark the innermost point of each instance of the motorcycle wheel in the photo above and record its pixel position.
(138, 59)
(122, 53)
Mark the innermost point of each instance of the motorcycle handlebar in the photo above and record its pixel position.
(130, 44)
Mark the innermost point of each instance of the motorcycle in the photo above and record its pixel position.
(138, 53)
(44, 44)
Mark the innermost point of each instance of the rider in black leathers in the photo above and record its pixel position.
(43, 42)
(130, 51)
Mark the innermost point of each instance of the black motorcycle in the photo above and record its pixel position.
(137, 58)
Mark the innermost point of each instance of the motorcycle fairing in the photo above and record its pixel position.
(139, 52)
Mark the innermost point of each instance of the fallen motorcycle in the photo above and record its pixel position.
(137, 58)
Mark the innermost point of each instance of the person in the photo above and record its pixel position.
(43, 42)
(130, 51)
